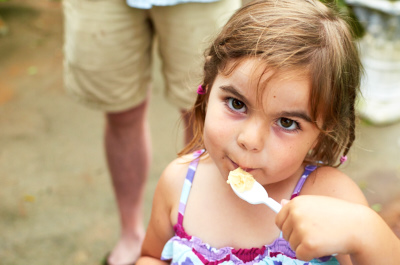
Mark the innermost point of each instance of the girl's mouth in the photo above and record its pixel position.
(247, 169)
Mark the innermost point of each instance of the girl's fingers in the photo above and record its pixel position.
(294, 239)
(282, 215)
(294, 226)
(305, 248)
(285, 224)
(284, 202)
(303, 252)
(287, 229)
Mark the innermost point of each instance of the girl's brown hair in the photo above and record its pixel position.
(293, 35)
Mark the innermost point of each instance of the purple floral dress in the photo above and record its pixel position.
(189, 250)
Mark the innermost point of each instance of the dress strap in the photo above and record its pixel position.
(187, 185)
(307, 171)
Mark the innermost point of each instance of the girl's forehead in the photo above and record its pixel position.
(254, 73)
(265, 88)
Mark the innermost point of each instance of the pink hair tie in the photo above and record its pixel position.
(200, 90)
(343, 159)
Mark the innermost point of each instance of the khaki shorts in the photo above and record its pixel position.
(108, 48)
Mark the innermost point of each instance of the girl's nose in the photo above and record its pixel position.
(252, 136)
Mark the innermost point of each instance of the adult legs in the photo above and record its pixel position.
(183, 33)
(128, 152)
(102, 72)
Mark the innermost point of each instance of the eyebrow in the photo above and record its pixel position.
(298, 114)
(232, 90)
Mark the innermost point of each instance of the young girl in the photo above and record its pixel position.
(277, 100)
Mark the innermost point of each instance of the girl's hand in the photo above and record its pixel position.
(317, 226)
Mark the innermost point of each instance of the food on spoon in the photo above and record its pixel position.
(240, 180)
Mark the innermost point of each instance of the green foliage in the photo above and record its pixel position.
(340, 3)
(358, 29)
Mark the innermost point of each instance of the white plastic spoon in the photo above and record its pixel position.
(257, 195)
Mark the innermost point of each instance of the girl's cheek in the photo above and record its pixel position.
(215, 134)
(279, 134)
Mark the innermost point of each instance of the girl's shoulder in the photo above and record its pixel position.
(178, 167)
(172, 178)
(329, 181)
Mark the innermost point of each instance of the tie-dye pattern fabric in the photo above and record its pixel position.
(183, 249)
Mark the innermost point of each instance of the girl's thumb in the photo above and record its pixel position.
(284, 202)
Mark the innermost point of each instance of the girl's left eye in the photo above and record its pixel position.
(288, 124)
(236, 105)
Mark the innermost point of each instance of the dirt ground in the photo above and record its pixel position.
(56, 200)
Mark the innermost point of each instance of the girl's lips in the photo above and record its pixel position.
(235, 166)
(248, 170)
(242, 167)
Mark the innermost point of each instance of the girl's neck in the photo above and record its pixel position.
(284, 189)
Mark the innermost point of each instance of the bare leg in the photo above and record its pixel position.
(128, 152)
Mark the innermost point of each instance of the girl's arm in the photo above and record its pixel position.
(332, 216)
(317, 226)
(380, 245)
(160, 227)
(159, 230)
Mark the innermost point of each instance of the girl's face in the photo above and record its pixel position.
(269, 140)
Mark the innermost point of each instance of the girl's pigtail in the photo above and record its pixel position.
(352, 126)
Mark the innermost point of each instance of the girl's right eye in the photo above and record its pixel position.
(236, 105)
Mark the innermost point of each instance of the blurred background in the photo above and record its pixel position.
(56, 199)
